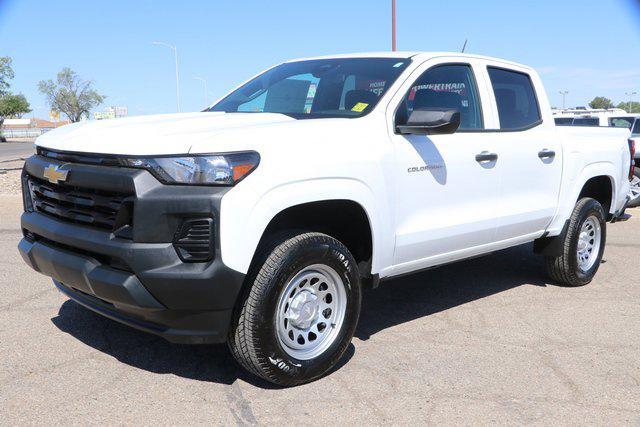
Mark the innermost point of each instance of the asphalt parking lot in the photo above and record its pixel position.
(483, 341)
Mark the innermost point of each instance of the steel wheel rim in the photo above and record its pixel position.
(635, 188)
(306, 324)
(589, 243)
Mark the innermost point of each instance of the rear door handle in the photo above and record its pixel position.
(486, 156)
(547, 154)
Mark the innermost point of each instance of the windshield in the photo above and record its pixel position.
(349, 87)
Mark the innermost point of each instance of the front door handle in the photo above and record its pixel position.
(547, 154)
(486, 156)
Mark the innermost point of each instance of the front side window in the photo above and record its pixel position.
(621, 122)
(636, 128)
(515, 98)
(349, 87)
(445, 87)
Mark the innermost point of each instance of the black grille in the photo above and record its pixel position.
(76, 204)
(193, 241)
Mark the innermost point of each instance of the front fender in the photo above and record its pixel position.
(245, 214)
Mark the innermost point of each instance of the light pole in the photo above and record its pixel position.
(630, 95)
(175, 54)
(206, 102)
(393, 25)
(564, 94)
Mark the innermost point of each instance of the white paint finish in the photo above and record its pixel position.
(157, 134)
(449, 207)
(452, 211)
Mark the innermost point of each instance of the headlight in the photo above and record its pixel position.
(208, 169)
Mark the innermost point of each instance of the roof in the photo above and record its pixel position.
(413, 54)
(360, 55)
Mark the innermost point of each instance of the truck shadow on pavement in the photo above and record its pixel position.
(418, 295)
(395, 302)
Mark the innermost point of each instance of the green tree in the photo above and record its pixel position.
(10, 105)
(13, 106)
(6, 74)
(600, 102)
(70, 95)
(630, 107)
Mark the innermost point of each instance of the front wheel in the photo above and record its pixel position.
(300, 313)
(582, 247)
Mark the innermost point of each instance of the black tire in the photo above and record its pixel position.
(253, 337)
(564, 269)
(634, 203)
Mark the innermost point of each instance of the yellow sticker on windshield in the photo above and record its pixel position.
(359, 107)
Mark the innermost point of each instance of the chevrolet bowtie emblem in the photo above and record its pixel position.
(54, 174)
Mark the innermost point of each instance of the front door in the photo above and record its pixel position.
(447, 185)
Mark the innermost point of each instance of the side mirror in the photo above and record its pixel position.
(431, 121)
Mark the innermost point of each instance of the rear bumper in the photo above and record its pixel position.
(139, 280)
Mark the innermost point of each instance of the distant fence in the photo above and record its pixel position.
(23, 132)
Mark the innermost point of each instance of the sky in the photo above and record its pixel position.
(586, 47)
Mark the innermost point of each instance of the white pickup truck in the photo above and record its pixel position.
(258, 221)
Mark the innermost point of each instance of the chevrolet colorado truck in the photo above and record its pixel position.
(258, 221)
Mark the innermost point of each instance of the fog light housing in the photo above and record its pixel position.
(194, 240)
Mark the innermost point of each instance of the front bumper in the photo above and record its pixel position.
(139, 280)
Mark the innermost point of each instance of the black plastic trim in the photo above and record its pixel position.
(551, 246)
(187, 302)
(115, 160)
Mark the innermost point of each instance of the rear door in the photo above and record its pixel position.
(530, 155)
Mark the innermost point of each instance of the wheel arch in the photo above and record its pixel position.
(301, 205)
(582, 185)
(600, 188)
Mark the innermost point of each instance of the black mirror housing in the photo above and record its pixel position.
(431, 121)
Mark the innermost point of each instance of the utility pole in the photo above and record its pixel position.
(206, 91)
(175, 54)
(564, 94)
(630, 95)
(393, 25)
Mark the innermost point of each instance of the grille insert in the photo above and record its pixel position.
(76, 204)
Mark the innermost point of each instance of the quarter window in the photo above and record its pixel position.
(621, 122)
(447, 87)
(515, 98)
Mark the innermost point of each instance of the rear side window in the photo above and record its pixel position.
(515, 98)
(621, 122)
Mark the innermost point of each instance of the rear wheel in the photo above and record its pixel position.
(300, 313)
(583, 245)
(634, 191)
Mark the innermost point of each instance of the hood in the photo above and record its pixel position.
(152, 135)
